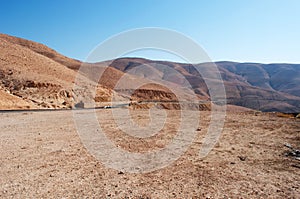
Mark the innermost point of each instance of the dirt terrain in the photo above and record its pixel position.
(42, 157)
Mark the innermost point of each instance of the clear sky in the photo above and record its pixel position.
(234, 30)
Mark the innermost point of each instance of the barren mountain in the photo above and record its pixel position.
(265, 87)
(39, 77)
(35, 76)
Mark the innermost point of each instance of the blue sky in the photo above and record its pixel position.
(265, 31)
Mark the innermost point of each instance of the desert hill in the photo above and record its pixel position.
(35, 76)
(265, 87)
(39, 77)
(42, 50)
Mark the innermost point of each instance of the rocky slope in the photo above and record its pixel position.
(265, 87)
(35, 76)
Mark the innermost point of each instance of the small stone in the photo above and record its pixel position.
(242, 158)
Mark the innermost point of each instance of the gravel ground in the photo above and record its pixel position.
(42, 156)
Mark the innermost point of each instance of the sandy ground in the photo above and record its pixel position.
(42, 157)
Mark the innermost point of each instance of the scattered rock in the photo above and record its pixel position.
(242, 158)
(10, 72)
(292, 152)
(288, 145)
(30, 84)
(296, 166)
(79, 104)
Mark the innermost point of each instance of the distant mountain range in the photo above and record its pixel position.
(35, 76)
(265, 87)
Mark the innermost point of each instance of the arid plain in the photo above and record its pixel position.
(42, 156)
